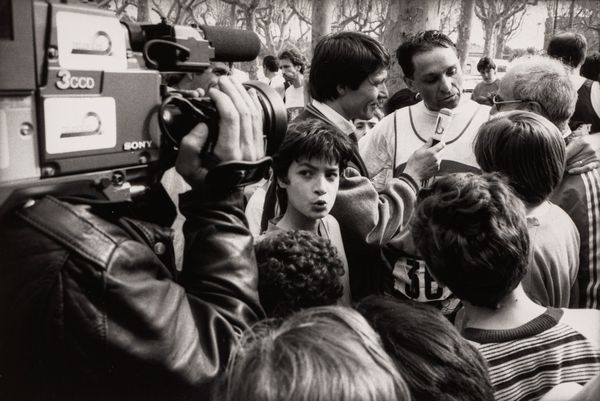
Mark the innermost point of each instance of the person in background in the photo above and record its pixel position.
(430, 354)
(529, 150)
(273, 75)
(402, 98)
(363, 127)
(292, 67)
(472, 231)
(297, 270)
(591, 66)
(571, 48)
(323, 353)
(484, 91)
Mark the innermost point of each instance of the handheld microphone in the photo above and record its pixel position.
(441, 125)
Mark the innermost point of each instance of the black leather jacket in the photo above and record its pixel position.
(91, 308)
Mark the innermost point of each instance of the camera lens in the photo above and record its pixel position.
(178, 115)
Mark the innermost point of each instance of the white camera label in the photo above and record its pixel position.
(90, 43)
(80, 124)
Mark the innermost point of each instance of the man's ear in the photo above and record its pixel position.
(282, 182)
(410, 83)
(536, 108)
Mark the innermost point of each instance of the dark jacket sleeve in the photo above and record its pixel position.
(194, 324)
(90, 310)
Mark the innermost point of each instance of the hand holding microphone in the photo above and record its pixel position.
(424, 163)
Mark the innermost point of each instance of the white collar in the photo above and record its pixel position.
(342, 123)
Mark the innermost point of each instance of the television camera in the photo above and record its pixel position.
(82, 107)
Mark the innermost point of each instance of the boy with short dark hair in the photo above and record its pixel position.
(307, 169)
(485, 91)
(472, 231)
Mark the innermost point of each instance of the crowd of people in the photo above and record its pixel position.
(375, 262)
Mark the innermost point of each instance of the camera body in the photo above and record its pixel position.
(80, 94)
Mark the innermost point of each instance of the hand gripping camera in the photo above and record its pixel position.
(82, 107)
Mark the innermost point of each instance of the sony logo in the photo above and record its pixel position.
(137, 145)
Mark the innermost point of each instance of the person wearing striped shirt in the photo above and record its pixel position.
(472, 231)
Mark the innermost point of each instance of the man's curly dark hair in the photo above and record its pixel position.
(297, 270)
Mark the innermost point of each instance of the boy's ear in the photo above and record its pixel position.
(341, 90)
(282, 183)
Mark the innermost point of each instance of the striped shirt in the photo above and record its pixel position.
(528, 361)
(579, 196)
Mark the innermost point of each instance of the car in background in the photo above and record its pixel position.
(471, 76)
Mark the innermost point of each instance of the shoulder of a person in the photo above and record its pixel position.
(585, 321)
(331, 222)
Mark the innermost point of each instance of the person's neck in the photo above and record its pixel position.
(270, 74)
(337, 107)
(536, 210)
(513, 311)
(293, 220)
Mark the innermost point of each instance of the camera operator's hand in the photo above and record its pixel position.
(240, 131)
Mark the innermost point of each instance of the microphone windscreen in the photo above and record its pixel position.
(232, 44)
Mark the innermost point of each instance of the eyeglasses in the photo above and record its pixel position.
(497, 100)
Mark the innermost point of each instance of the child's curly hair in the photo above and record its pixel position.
(297, 270)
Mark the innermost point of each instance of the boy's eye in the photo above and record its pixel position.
(452, 71)
(305, 173)
(332, 175)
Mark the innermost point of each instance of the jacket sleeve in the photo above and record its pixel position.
(374, 217)
(187, 330)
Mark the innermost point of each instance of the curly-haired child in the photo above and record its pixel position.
(297, 270)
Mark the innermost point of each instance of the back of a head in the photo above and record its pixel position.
(344, 59)
(472, 233)
(319, 354)
(568, 47)
(271, 63)
(418, 43)
(485, 63)
(591, 67)
(297, 270)
(527, 148)
(436, 362)
(402, 98)
(545, 81)
(312, 139)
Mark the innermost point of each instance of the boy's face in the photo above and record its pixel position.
(488, 75)
(312, 187)
(363, 127)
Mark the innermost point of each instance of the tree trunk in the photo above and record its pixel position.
(403, 18)
(322, 16)
(464, 30)
(144, 9)
(501, 39)
(233, 16)
(489, 36)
